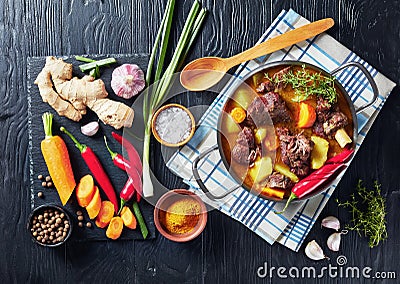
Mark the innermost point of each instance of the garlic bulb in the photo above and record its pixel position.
(314, 251)
(331, 222)
(333, 241)
(127, 80)
(90, 129)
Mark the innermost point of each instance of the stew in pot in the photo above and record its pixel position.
(282, 125)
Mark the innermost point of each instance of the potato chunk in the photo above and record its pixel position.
(261, 170)
(319, 153)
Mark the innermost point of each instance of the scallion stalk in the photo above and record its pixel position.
(154, 97)
(183, 41)
(162, 34)
(84, 59)
(196, 28)
(164, 40)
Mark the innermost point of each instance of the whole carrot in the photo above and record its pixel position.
(55, 154)
(96, 168)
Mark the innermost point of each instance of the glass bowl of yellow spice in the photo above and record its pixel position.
(180, 215)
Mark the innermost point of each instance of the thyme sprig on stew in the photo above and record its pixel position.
(307, 83)
(368, 213)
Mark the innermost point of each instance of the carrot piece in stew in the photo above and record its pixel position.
(307, 116)
(238, 114)
(273, 192)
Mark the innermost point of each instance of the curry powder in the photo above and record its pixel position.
(181, 216)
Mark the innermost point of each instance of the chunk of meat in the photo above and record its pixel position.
(278, 180)
(246, 137)
(295, 151)
(329, 119)
(323, 109)
(240, 154)
(336, 121)
(265, 87)
(318, 128)
(244, 151)
(268, 106)
(257, 111)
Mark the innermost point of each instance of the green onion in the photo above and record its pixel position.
(163, 32)
(139, 217)
(164, 40)
(164, 84)
(156, 93)
(84, 59)
(99, 63)
(193, 35)
(95, 72)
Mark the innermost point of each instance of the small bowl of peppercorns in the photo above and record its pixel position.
(49, 225)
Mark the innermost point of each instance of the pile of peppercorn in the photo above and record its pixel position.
(50, 226)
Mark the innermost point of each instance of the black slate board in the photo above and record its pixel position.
(37, 165)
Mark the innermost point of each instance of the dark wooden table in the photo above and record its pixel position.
(226, 251)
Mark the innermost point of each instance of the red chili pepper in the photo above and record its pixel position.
(117, 158)
(342, 157)
(126, 193)
(133, 155)
(132, 183)
(133, 173)
(310, 183)
(96, 168)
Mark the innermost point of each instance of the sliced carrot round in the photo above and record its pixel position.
(105, 215)
(128, 218)
(238, 114)
(85, 190)
(115, 227)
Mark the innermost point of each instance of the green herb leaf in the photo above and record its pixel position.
(368, 211)
(307, 83)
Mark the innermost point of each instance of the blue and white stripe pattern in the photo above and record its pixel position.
(290, 228)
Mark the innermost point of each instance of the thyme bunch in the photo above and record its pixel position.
(371, 220)
(307, 83)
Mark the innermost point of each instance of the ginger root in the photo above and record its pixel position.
(70, 96)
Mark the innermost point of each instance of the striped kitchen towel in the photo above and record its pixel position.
(290, 228)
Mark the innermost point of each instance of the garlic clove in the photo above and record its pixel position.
(333, 242)
(314, 251)
(90, 129)
(331, 222)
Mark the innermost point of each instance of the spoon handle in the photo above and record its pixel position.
(281, 41)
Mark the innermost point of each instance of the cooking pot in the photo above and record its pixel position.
(265, 68)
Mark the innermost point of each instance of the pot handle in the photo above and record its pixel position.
(199, 180)
(369, 78)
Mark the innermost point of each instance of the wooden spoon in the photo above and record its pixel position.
(204, 73)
